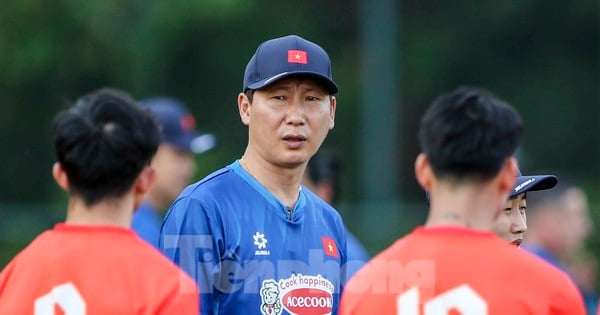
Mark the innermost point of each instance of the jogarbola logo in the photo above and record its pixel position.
(527, 182)
(261, 242)
(298, 294)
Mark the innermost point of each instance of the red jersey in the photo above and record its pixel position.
(94, 270)
(454, 270)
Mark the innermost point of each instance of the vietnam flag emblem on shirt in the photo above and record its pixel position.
(329, 247)
(297, 56)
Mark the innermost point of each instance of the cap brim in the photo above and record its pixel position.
(203, 142)
(329, 85)
(194, 142)
(533, 183)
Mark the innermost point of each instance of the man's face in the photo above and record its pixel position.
(174, 170)
(573, 221)
(511, 223)
(288, 120)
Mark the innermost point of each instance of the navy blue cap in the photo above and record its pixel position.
(532, 183)
(179, 126)
(524, 184)
(285, 56)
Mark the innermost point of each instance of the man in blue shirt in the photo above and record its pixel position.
(174, 163)
(558, 223)
(253, 238)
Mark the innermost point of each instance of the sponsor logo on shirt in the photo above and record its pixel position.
(261, 242)
(299, 295)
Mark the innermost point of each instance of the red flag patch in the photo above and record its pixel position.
(297, 56)
(187, 123)
(329, 247)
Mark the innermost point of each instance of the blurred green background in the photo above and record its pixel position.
(390, 58)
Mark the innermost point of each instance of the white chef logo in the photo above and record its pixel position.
(298, 295)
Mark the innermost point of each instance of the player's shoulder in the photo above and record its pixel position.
(139, 258)
(497, 252)
(150, 262)
(532, 265)
(531, 273)
(547, 283)
(38, 248)
(381, 262)
(153, 274)
(367, 288)
(156, 261)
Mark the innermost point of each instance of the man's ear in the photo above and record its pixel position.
(332, 107)
(423, 172)
(244, 108)
(60, 176)
(143, 183)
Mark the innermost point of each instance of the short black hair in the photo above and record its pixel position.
(250, 95)
(325, 166)
(468, 133)
(103, 142)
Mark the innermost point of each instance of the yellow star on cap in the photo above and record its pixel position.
(330, 247)
(297, 56)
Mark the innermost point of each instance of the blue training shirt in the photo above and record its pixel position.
(146, 223)
(251, 255)
(357, 255)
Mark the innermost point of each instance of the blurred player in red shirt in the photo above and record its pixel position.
(455, 264)
(93, 263)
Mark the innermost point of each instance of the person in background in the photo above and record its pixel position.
(323, 177)
(511, 222)
(93, 263)
(583, 269)
(174, 163)
(558, 226)
(558, 223)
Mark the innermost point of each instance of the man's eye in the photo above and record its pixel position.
(507, 209)
(312, 98)
(278, 97)
(523, 209)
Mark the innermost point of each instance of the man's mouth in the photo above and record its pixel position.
(294, 141)
(517, 242)
(294, 138)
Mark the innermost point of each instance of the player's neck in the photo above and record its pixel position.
(469, 206)
(116, 212)
(283, 183)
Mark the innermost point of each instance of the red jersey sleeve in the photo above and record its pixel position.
(4, 276)
(567, 300)
(182, 301)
